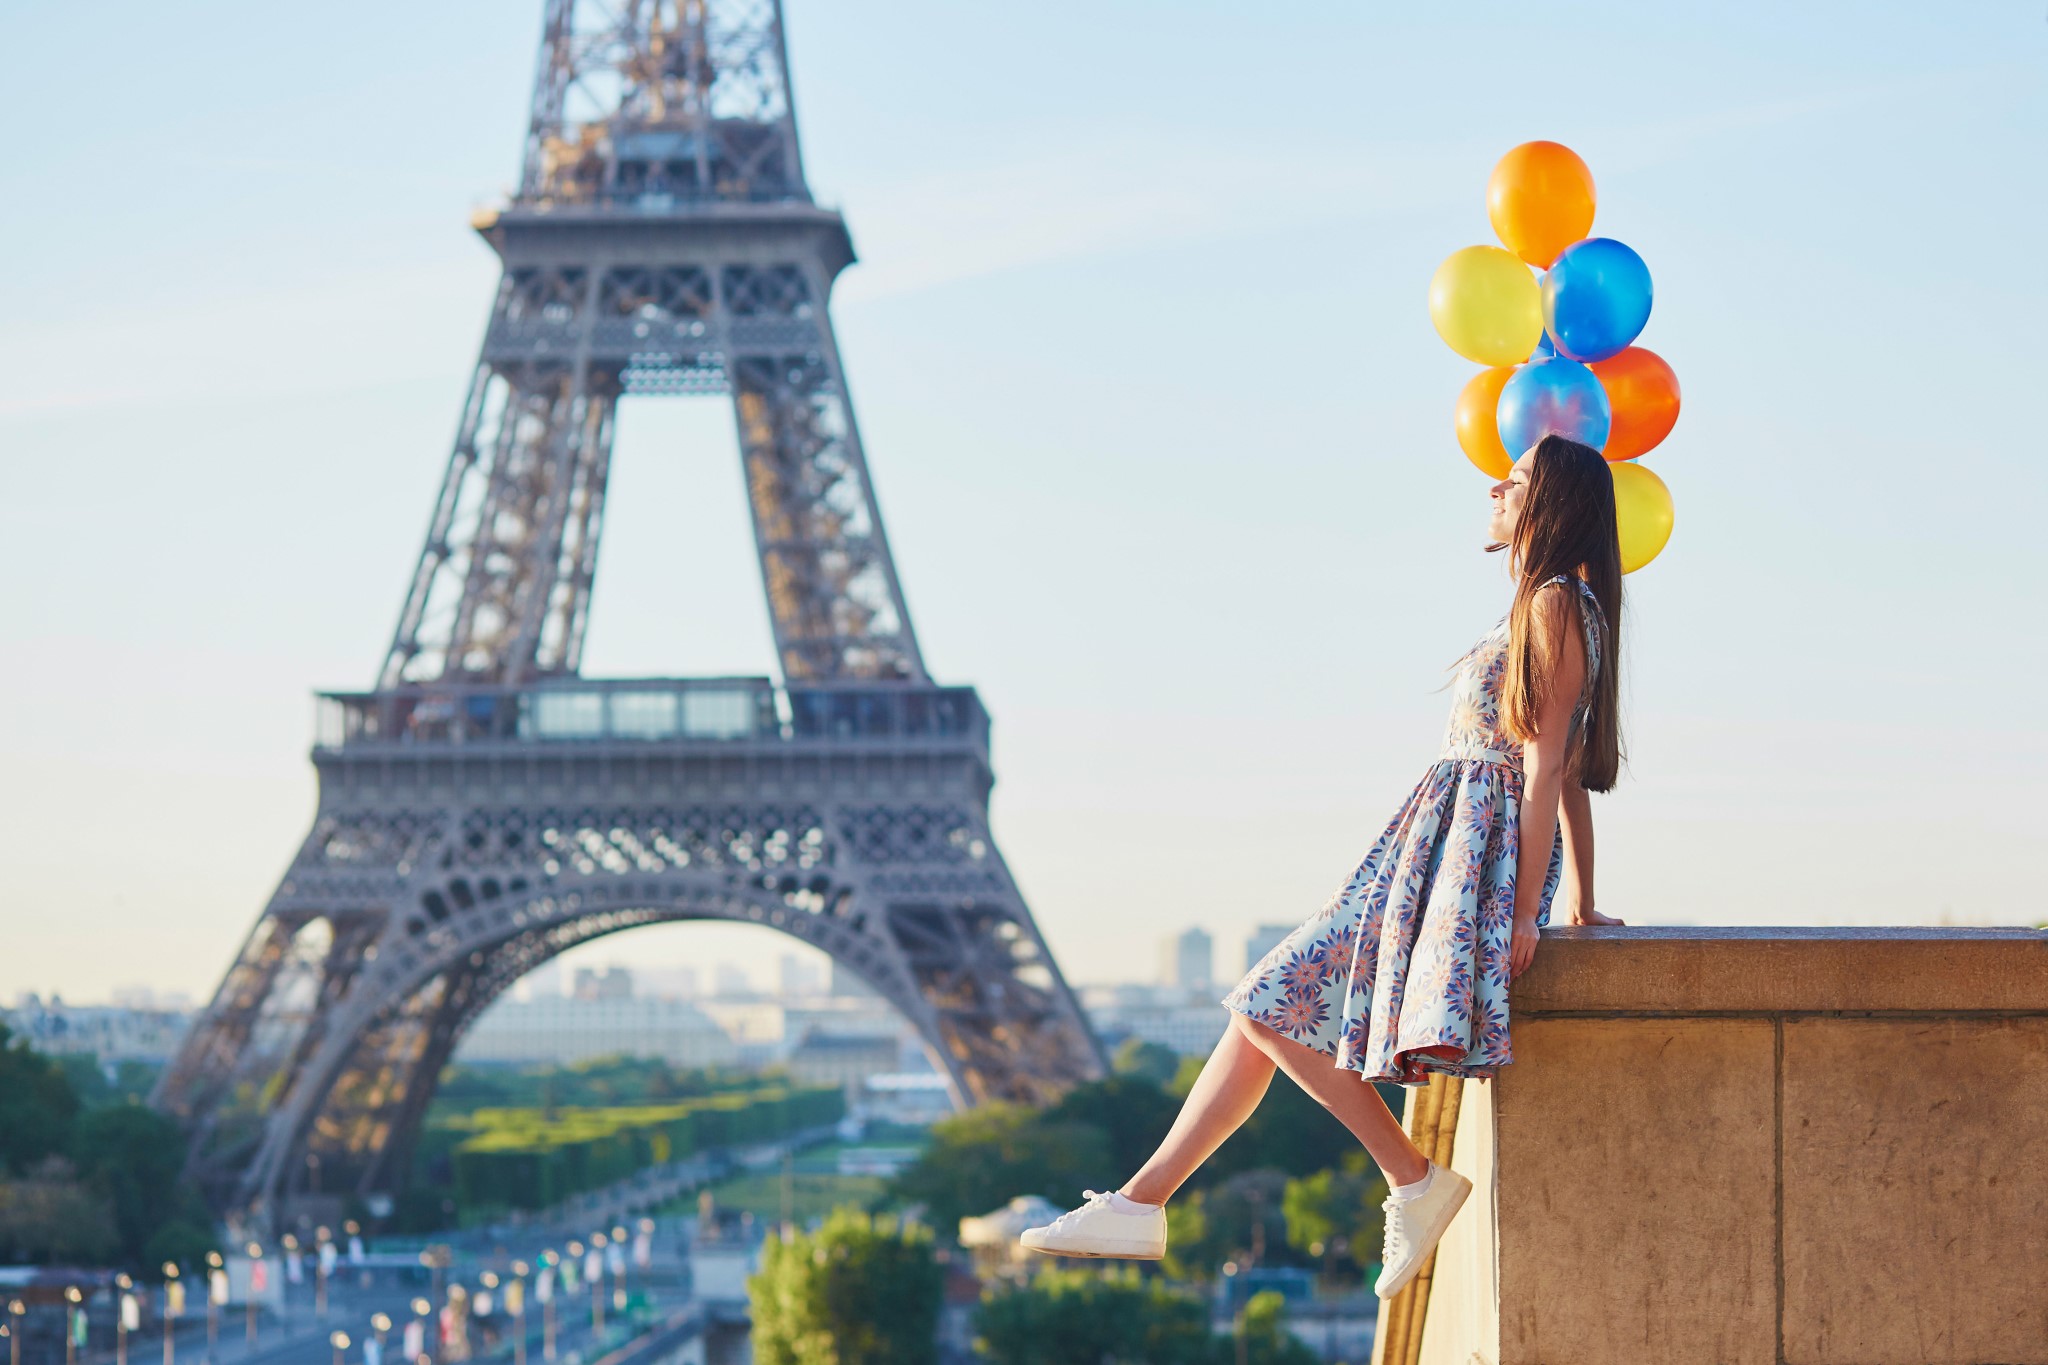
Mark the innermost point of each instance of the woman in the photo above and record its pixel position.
(1406, 969)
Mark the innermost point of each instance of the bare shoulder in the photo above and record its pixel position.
(1554, 621)
(1556, 608)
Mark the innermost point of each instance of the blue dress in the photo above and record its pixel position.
(1405, 970)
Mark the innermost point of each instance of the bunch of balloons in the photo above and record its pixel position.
(1558, 341)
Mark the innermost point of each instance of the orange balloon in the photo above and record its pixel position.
(1540, 200)
(1643, 392)
(1479, 425)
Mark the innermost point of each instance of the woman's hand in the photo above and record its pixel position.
(1522, 948)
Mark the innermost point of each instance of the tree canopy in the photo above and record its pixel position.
(860, 1290)
(1065, 1317)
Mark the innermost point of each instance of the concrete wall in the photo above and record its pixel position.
(1814, 1147)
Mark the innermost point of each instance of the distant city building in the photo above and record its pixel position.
(149, 998)
(846, 982)
(1191, 1030)
(556, 1028)
(110, 1033)
(797, 978)
(728, 981)
(906, 1097)
(758, 1022)
(1262, 941)
(869, 1018)
(1188, 960)
(1187, 1020)
(612, 983)
(844, 1060)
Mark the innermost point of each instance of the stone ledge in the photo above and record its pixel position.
(1689, 971)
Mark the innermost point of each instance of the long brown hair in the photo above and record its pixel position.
(1567, 527)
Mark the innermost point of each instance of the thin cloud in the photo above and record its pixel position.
(959, 226)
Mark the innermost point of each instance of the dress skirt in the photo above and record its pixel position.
(1405, 970)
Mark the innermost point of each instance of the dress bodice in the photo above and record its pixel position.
(1475, 730)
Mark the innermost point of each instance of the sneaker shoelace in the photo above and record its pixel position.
(1396, 1236)
(1095, 1201)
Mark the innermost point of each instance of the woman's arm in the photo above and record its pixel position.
(1558, 644)
(1575, 812)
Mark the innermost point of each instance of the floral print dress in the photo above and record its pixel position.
(1405, 970)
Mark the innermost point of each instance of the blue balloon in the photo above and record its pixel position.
(1596, 299)
(1555, 396)
(1544, 349)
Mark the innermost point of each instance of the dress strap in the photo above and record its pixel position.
(1591, 621)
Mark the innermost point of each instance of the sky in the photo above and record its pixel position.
(1155, 413)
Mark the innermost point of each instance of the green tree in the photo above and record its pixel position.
(981, 1159)
(1288, 1132)
(860, 1290)
(1337, 1203)
(1133, 1114)
(92, 1179)
(1081, 1317)
(1154, 1062)
(98, 1085)
(37, 1106)
(1120, 1317)
(1263, 1325)
(136, 1156)
(47, 1214)
(1239, 1219)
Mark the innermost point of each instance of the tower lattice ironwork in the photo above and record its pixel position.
(486, 807)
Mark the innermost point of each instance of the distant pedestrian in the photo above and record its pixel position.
(1405, 970)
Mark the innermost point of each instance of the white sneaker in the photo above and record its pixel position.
(1096, 1229)
(1414, 1225)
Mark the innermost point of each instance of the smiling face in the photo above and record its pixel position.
(1508, 496)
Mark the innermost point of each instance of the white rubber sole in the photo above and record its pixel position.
(1431, 1235)
(1099, 1251)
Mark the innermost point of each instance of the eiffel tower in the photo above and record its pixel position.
(488, 807)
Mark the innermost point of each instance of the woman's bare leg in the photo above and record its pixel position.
(1357, 1105)
(1232, 1083)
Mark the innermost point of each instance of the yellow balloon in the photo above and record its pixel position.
(1642, 513)
(1486, 306)
(1477, 425)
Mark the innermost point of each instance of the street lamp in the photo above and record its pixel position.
(15, 1308)
(339, 1341)
(174, 1304)
(437, 1258)
(515, 1304)
(615, 1259)
(416, 1333)
(455, 1322)
(215, 1283)
(643, 1244)
(124, 1306)
(544, 1290)
(322, 1239)
(72, 1298)
(380, 1325)
(259, 1280)
(594, 1262)
(284, 1288)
